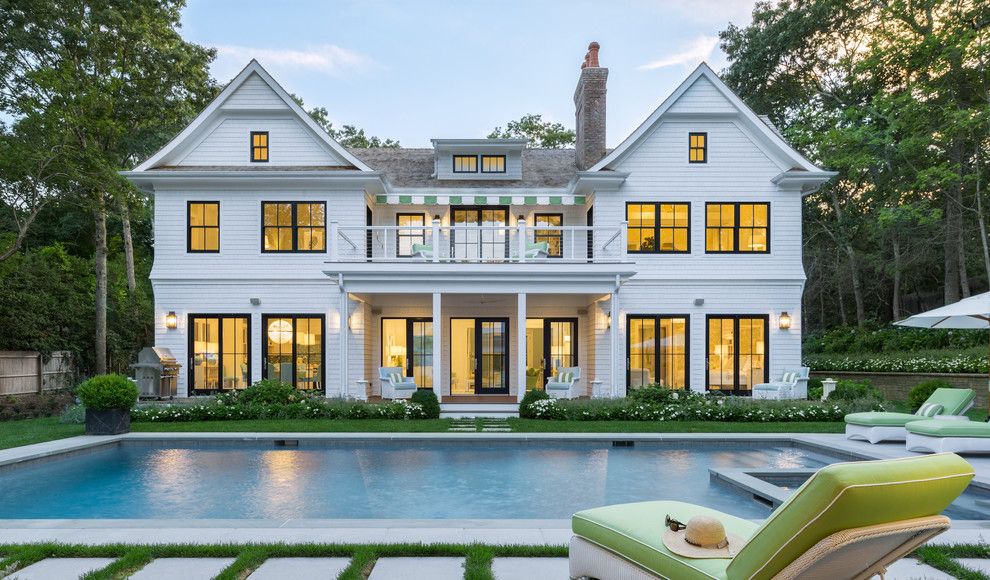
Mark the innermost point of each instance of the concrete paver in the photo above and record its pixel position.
(418, 569)
(184, 568)
(300, 568)
(975, 564)
(911, 569)
(530, 568)
(60, 569)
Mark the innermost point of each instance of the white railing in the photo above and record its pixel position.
(476, 244)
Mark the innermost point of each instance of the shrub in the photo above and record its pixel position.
(854, 390)
(269, 392)
(105, 392)
(31, 406)
(525, 407)
(920, 392)
(972, 360)
(874, 338)
(73, 414)
(651, 394)
(427, 399)
(815, 389)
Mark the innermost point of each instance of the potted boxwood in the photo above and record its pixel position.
(108, 400)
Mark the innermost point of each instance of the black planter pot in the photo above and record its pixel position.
(109, 422)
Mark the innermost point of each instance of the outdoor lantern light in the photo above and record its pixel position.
(171, 320)
(785, 321)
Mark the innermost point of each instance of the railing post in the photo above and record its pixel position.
(334, 241)
(435, 242)
(624, 239)
(521, 227)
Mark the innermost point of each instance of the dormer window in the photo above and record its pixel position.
(697, 147)
(493, 163)
(259, 146)
(466, 164)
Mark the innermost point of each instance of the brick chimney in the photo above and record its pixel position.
(589, 110)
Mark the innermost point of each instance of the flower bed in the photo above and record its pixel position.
(309, 408)
(922, 362)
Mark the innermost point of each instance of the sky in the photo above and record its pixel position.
(414, 71)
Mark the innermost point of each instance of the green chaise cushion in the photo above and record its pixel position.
(882, 419)
(950, 428)
(634, 531)
(953, 401)
(851, 495)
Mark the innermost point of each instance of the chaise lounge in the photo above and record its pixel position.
(885, 426)
(849, 520)
(938, 435)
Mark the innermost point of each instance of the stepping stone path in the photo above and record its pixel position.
(495, 426)
(530, 568)
(463, 425)
(60, 568)
(184, 568)
(418, 569)
(300, 568)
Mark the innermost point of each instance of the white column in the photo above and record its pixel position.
(435, 242)
(437, 343)
(521, 347)
(521, 239)
(343, 339)
(613, 341)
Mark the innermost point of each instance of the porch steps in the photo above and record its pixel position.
(485, 410)
(483, 425)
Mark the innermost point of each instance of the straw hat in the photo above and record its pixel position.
(704, 537)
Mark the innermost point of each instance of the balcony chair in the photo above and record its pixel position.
(394, 384)
(422, 251)
(849, 520)
(537, 250)
(562, 385)
(790, 385)
(947, 403)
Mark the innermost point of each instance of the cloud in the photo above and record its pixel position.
(328, 58)
(700, 49)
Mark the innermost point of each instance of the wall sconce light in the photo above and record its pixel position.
(608, 320)
(784, 322)
(171, 320)
(436, 217)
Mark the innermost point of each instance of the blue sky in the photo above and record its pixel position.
(414, 71)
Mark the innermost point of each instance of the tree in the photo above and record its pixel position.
(541, 134)
(349, 135)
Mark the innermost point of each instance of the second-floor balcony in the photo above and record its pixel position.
(478, 244)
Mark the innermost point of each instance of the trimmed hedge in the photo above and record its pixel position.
(877, 337)
(107, 392)
(920, 362)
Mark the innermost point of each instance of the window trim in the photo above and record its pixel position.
(453, 163)
(267, 147)
(481, 163)
(266, 316)
(735, 228)
(295, 228)
(735, 355)
(657, 227)
(190, 342)
(189, 227)
(399, 235)
(656, 318)
(559, 234)
(704, 148)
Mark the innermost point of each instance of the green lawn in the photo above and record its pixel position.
(541, 426)
(28, 431)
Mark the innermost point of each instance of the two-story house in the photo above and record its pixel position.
(480, 266)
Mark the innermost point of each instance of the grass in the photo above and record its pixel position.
(543, 426)
(28, 431)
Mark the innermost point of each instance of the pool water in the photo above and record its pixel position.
(425, 480)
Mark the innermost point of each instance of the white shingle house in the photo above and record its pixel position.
(480, 267)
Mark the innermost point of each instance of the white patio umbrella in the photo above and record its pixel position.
(972, 312)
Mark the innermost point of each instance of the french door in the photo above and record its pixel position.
(479, 356)
(219, 352)
(657, 351)
(471, 242)
(738, 348)
(408, 343)
(551, 345)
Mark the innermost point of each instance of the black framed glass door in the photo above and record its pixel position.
(551, 345)
(479, 356)
(471, 242)
(408, 343)
(657, 351)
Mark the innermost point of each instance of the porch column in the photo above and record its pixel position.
(437, 343)
(521, 347)
(343, 338)
(613, 341)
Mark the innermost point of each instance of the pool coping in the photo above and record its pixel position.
(489, 531)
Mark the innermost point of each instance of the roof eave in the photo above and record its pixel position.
(586, 182)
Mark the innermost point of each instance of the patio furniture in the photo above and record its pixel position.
(792, 384)
(422, 251)
(395, 385)
(849, 520)
(884, 426)
(561, 386)
(640, 377)
(537, 250)
(941, 434)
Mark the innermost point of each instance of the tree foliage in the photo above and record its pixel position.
(348, 135)
(541, 134)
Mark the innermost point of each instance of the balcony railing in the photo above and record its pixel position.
(477, 243)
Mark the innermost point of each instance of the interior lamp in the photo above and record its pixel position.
(784, 322)
(171, 320)
(280, 331)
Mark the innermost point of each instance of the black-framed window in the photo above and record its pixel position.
(738, 348)
(408, 343)
(465, 163)
(415, 235)
(659, 228)
(219, 352)
(658, 350)
(553, 238)
(732, 228)
(203, 226)
(697, 147)
(294, 349)
(493, 163)
(259, 146)
(294, 226)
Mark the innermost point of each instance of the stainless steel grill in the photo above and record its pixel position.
(156, 372)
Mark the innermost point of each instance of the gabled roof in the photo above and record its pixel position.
(214, 109)
(764, 132)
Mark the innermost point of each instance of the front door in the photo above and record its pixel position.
(479, 356)
(551, 345)
(477, 235)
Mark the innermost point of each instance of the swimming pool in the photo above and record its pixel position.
(384, 479)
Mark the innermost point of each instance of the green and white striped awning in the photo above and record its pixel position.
(481, 199)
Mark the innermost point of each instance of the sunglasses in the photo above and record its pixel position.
(674, 525)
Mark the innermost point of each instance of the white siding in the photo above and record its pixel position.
(702, 97)
(289, 143)
(254, 93)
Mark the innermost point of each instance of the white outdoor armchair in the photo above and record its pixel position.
(792, 384)
(395, 385)
(561, 386)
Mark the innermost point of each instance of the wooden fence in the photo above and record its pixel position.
(23, 372)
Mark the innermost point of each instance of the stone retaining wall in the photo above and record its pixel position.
(895, 386)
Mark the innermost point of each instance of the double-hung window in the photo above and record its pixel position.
(416, 234)
(659, 228)
(737, 228)
(203, 220)
(259, 146)
(294, 226)
(553, 238)
(697, 147)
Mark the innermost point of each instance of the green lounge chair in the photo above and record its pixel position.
(537, 250)
(422, 251)
(849, 520)
(882, 426)
(938, 435)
